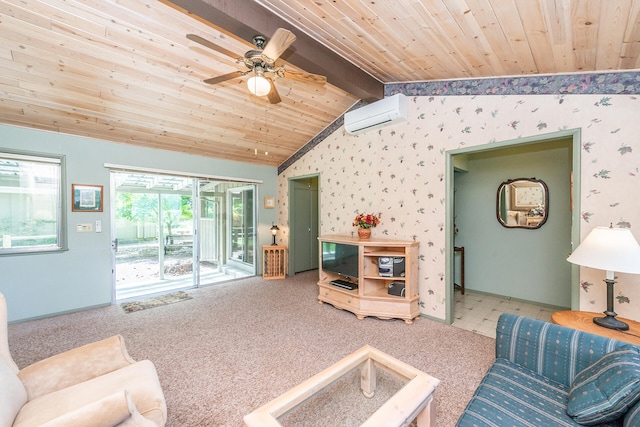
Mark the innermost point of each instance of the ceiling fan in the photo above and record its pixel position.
(260, 63)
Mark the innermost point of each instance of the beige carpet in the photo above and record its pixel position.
(233, 347)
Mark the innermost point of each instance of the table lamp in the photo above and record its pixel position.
(274, 231)
(610, 249)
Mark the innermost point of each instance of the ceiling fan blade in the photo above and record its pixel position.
(211, 45)
(301, 76)
(273, 95)
(276, 46)
(224, 77)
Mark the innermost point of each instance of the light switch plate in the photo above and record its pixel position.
(84, 228)
(98, 226)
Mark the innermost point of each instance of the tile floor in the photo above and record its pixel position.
(479, 312)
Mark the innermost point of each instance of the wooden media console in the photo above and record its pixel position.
(372, 296)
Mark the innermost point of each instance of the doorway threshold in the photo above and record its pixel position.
(158, 287)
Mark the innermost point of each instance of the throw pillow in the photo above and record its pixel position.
(605, 390)
(116, 409)
(13, 395)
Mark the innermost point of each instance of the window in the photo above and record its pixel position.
(31, 200)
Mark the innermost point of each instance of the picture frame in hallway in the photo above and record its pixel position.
(86, 198)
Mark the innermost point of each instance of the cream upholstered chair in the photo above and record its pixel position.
(97, 384)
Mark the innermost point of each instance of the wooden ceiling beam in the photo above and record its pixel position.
(246, 18)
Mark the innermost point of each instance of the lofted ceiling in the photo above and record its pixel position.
(124, 70)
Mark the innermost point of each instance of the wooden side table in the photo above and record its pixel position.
(583, 321)
(274, 262)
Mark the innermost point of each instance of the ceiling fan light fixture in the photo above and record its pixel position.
(258, 84)
(261, 60)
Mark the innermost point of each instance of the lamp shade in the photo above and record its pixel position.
(610, 249)
(259, 85)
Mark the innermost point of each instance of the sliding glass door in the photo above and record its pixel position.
(242, 225)
(154, 234)
(175, 232)
(212, 226)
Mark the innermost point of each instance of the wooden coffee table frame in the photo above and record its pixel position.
(413, 401)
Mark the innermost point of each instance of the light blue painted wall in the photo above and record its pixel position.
(525, 264)
(47, 284)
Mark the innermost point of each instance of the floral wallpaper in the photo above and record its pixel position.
(399, 171)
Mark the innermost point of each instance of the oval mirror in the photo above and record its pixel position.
(522, 203)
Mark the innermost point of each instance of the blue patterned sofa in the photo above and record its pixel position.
(537, 364)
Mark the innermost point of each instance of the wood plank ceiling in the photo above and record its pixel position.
(124, 71)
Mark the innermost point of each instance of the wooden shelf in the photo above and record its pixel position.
(372, 297)
(391, 279)
(274, 260)
(384, 253)
(382, 293)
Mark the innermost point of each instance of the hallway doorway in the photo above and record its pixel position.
(303, 224)
(515, 263)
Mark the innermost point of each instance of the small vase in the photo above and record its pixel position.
(364, 233)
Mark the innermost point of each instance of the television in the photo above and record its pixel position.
(340, 258)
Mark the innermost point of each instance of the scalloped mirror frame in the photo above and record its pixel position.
(522, 203)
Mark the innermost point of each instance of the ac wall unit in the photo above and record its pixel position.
(380, 113)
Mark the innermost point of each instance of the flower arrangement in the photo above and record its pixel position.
(539, 211)
(366, 221)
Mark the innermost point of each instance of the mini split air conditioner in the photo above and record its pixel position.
(380, 113)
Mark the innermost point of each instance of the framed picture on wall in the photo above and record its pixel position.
(269, 202)
(86, 198)
(527, 194)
